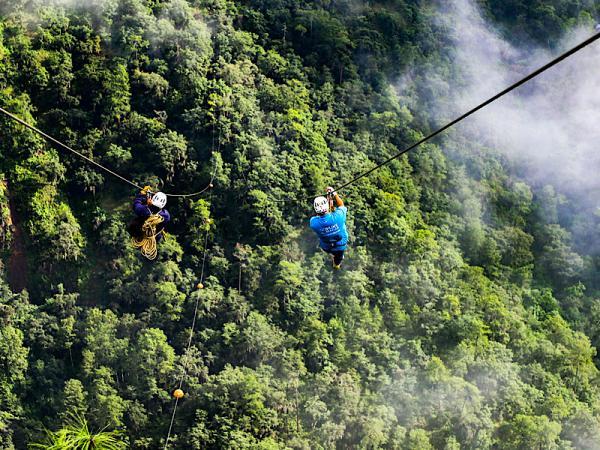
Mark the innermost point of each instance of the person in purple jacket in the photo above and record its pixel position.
(146, 204)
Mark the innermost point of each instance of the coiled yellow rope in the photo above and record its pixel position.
(147, 244)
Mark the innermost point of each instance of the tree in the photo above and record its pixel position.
(77, 435)
(74, 402)
(529, 432)
(152, 364)
(247, 395)
(466, 315)
(13, 361)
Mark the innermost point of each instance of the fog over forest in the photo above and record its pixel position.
(465, 314)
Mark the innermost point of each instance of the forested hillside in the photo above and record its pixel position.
(465, 316)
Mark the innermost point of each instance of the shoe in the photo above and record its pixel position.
(338, 265)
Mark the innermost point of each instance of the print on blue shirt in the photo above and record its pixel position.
(331, 229)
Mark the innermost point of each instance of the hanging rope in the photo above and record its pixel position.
(90, 160)
(147, 244)
(509, 89)
(192, 330)
(196, 306)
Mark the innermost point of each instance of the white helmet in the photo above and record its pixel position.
(321, 205)
(159, 200)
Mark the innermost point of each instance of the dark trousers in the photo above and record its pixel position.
(135, 229)
(338, 256)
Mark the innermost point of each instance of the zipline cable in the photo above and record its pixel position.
(106, 169)
(509, 89)
(90, 160)
(66, 147)
(474, 110)
(396, 156)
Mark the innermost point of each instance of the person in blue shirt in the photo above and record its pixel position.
(330, 226)
(145, 205)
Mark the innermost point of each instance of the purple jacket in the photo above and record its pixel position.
(141, 208)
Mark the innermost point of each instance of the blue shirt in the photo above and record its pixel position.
(331, 229)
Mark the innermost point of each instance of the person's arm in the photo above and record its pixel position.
(165, 215)
(140, 206)
(336, 198)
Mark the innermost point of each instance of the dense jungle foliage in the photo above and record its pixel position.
(465, 316)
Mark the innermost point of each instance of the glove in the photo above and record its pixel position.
(330, 191)
(146, 190)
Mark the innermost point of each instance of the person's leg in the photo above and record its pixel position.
(338, 257)
(135, 228)
(325, 248)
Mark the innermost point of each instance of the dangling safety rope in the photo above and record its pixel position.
(90, 160)
(147, 244)
(191, 335)
(511, 88)
(196, 306)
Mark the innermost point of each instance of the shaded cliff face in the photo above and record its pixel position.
(6, 221)
(17, 261)
(11, 241)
